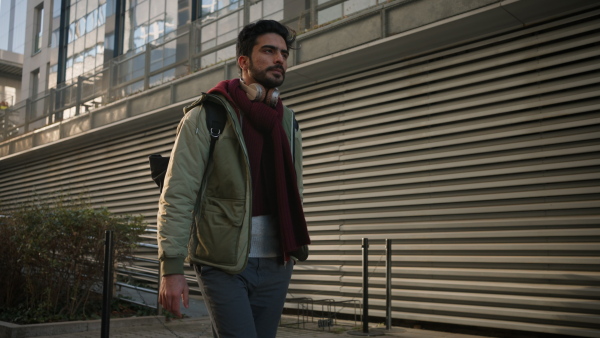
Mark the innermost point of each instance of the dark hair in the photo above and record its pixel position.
(247, 37)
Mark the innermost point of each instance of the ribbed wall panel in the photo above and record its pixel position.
(113, 174)
(481, 163)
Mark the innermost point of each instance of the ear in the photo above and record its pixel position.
(243, 61)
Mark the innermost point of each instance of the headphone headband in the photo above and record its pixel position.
(258, 93)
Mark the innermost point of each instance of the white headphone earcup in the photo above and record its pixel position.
(272, 97)
(259, 92)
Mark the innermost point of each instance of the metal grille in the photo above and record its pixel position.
(481, 163)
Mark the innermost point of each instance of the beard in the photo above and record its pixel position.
(263, 78)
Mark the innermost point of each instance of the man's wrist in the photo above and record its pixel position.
(171, 266)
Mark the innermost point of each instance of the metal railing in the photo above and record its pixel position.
(172, 56)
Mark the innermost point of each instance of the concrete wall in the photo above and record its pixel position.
(41, 59)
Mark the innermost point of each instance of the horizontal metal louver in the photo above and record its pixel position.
(481, 163)
(113, 174)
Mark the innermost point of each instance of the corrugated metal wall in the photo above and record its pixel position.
(480, 162)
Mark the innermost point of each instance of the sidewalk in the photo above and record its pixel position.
(197, 325)
(155, 327)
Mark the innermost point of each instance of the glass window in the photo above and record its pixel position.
(70, 50)
(207, 7)
(212, 9)
(35, 84)
(90, 39)
(171, 11)
(81, 27)
(79, 45)
(101, 15)
(68, 74)
(170, 16)
(91, 4)
(71, 34)
(353, 6)
(170, 52)
(140, 35)
(101, 33)
(227, 28)
(39, 28)
(56, 8)
(226, 53)
(209, 36)
(81, 9)
(54, 38)
(156, 30)
(272, 6)
(52, 74)
(141, 13)
(343, 9)
(77, 65)
(91, 20)
(329, 14)
(208, 60)
(53, 56)
(127, 32)
(89, 63)
(110, 8)
(157, 7)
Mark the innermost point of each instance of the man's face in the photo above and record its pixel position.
(268, 62)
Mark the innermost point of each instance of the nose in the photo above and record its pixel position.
(279, 58)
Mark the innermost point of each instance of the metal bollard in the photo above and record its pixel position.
(107, 284)
(388, 284)
(365, 249)
(365, 314)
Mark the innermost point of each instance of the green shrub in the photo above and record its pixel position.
(52, 256)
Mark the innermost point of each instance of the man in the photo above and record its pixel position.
(247, 222)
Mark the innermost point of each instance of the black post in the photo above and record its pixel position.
(107, 284)
(388, 284)
(158, 306)
(365, 249)
(365, 312)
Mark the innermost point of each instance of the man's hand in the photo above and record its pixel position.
(172, 288)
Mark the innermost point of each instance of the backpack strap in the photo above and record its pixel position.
(216, 118)
(215, 122)
(295, 128)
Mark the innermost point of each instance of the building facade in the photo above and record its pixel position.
(12, 42)
(467, 132)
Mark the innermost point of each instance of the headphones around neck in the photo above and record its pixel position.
(258, 93)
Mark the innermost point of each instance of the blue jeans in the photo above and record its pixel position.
(247, 305)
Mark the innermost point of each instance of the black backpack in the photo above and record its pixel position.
(215, 121)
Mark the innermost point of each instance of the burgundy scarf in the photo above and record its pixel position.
(267, 143)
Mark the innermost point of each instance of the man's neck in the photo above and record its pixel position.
(248, 80)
